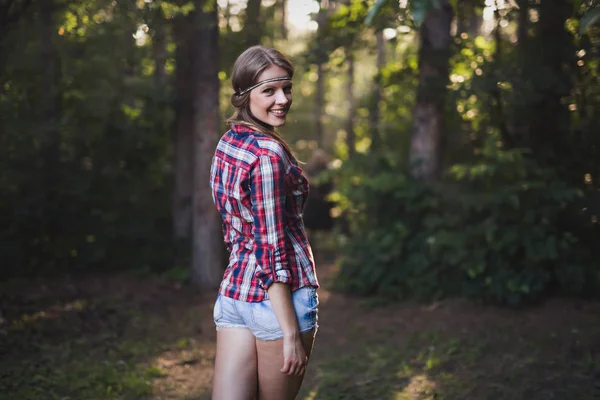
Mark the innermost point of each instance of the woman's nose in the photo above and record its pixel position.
(281, 97)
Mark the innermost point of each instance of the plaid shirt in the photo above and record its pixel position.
(260, 193)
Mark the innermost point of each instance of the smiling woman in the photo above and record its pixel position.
(271, 102)
(266, 309)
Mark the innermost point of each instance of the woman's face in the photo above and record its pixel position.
(270, 102)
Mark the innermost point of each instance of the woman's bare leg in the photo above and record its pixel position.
(272, 383)
(235, 376)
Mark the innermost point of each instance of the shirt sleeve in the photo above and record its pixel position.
(267, 188)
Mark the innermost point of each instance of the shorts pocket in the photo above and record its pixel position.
(313, 298)
(264, 317)
(306, 307)
(218, 309)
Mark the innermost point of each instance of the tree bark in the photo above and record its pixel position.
(523, 23)
(50, 116)
(497, 109)
(320, 82)
(374, 114)
(428, 115)
(253, 27)
(10, 12)
(207, 240)
(159, 47)
(350, 134)
(319, 103)
(183, 130)
(550, 120)
(283, 8)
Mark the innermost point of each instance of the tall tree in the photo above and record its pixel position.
(374, 113)
(283, 21)
(321, 57)
(350, 98)
(10, 12)
(523, 23)
(159, 45)
(469, 16)
(253, 26)
(554, 62)
(183, 131)
(428, 113)
(50, 113)
(207, 241)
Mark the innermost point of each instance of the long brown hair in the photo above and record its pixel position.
(246, 70)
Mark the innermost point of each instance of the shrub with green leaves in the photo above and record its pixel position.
(491, 230)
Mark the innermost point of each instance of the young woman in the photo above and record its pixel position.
(266, 309)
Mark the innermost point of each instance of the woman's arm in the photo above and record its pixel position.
(294, 356)
(268, 194)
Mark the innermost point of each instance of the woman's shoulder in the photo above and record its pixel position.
(257, 143)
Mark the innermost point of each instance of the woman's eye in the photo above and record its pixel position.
(268, 91)
(288, 89)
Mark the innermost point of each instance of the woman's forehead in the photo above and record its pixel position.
(271, 72)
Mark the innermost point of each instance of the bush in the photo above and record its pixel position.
(491, 230)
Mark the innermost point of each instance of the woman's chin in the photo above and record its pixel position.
(276, 122)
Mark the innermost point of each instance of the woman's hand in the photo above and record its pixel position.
(294, 356)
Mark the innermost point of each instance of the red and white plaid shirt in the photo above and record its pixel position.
(260, 193)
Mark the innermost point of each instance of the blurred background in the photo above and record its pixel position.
(452, 156)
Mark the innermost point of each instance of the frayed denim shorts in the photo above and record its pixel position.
(260, 318)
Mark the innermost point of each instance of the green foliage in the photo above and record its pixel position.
(418, 10)
(94, 184)
(491, 231)
(375, 10)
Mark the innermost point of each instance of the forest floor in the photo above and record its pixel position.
(152, 338)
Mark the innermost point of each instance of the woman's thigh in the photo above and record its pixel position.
(272, 383)
(235, 374)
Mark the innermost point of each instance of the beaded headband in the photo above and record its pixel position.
(282, 78)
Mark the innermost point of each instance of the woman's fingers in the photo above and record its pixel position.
(294, 367)
(287, 366)
(297, 368)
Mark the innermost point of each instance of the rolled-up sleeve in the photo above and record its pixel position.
(267, 188)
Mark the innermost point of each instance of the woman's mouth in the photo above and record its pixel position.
(279, 113)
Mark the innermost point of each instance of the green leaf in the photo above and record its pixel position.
(589, 18)
(374, 11)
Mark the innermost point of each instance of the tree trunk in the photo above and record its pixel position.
(319, 104)
(253, 27)
(283, 8)
(374, 114)
(523, 23)
(497, 108)
(428, 113)
(10, 13)
(207, 240)
(159, 47)
(555, 59)
(320, 83)
(50, 116)
(350, 134)
(183, 131)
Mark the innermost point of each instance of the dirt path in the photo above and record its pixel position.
(143, 338)
(449, 350)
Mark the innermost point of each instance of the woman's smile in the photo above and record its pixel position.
(271, 102)
(280, 113)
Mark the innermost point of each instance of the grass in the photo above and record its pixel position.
(148, 337)
(461, 351)
(95, 341)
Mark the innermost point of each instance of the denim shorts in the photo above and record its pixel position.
(260, 318)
